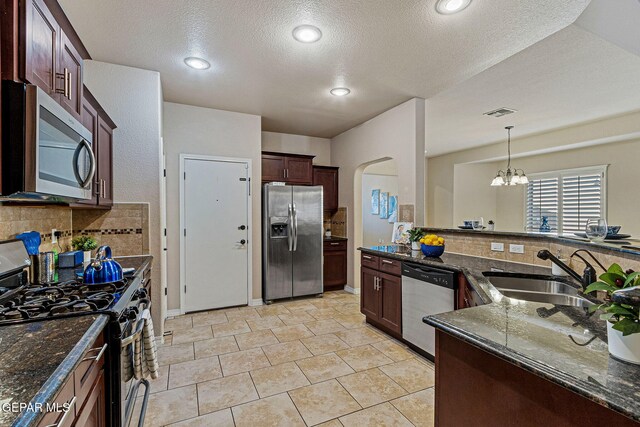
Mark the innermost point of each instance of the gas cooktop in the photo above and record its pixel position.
(45, 301)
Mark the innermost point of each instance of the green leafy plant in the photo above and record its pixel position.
(84, 243)
(415, 234)
(625, 318)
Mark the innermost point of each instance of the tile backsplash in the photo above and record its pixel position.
(125, 227)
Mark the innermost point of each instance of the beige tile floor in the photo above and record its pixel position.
(293, 363)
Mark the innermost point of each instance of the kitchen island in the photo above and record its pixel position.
(514, 362)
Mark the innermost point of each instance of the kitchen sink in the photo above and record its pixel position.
(545, 289)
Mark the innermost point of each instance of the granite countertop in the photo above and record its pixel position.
(335, 239)
(562, 344)
(36, 358)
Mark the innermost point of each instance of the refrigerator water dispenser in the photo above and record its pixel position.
(279, 228)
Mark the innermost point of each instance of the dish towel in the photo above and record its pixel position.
(145, 358)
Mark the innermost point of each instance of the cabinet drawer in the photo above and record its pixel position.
(340, 245)
(89, 369)
(62, 419)
(391, 266)
(370, 261)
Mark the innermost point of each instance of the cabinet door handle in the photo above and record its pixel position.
(98, 356)
(67, 86)
(366, 257)
(386, 261)
(103, 187)
(284, 173)
(334, 244)
(65, 415)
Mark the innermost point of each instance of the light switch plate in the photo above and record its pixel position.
(54, 238)
(516, 249)
(497, 247)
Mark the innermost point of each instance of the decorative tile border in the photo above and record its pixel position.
(46, 237)
(109, 231)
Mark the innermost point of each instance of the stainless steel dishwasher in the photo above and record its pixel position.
(425, 290)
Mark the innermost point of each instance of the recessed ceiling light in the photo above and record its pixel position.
(307, 33)
(197, 63)
(447, 7)
(340, 91)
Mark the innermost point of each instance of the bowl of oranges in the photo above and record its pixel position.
(432, 246)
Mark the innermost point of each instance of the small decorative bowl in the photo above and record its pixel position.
(432, 251)
(612, 230)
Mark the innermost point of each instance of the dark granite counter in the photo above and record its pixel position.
(335, 239)
(562, 344)
(36, 359)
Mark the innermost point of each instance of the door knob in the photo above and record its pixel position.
(242, 227)
(242, 242)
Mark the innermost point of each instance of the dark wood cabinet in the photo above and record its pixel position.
(289, 168)
(327, 177)
(41, 47)
(478, 388)
(85, 391)
(390, 313)
(101, 126)
(335, 265)
(466, 295)
(69, 72)
(40, 51)
(381, 293)
(369, 301)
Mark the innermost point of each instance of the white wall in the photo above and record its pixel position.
(298, 144)
(473, 197)
(375, 228)
(395, 134)
(205, 131)
(133, 99)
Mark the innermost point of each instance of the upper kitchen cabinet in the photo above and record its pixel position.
(327, 177)
(289, 168)
(95, 119)
(43, 49)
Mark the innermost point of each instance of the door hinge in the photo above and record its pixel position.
(165, 291)
(185, 232)
(243, 179)
(185, 289)
(185, 175)
(165, 232)
(164, 173)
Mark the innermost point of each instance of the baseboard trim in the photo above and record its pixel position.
(255, 302)
(355, 291)
(173, 313)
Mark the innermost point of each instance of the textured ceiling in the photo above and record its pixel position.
(385, 51)
(571, 77)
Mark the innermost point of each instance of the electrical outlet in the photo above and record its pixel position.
(54, 237)
(516, 249)
(497, 247)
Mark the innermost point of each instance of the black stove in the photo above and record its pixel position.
(125, 302)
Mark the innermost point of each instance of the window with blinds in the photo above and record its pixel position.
(561, 202)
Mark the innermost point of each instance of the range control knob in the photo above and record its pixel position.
(140, 293)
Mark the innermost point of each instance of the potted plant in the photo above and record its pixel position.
(623, 323)
(85, 244)
(415, 234)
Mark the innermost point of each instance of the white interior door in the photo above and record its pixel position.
(215, 234)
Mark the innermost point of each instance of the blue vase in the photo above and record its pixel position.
(544, 226)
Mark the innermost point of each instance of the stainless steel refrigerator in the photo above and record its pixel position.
(292, 241)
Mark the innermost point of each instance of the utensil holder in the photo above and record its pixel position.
(42, 269)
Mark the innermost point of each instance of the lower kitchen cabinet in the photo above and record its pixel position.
(477, 388)
(466, 295)
(381, 293)
(85, 391)
(335, 265)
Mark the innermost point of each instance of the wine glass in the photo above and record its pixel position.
(596, 229)
(478, 224)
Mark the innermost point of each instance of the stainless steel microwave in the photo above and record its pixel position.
(47, 153)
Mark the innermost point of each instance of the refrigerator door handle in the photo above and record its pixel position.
(295, 228)
(290, 233)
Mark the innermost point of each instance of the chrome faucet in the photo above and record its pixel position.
(588, 275)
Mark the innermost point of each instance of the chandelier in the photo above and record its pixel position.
(511, 176)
